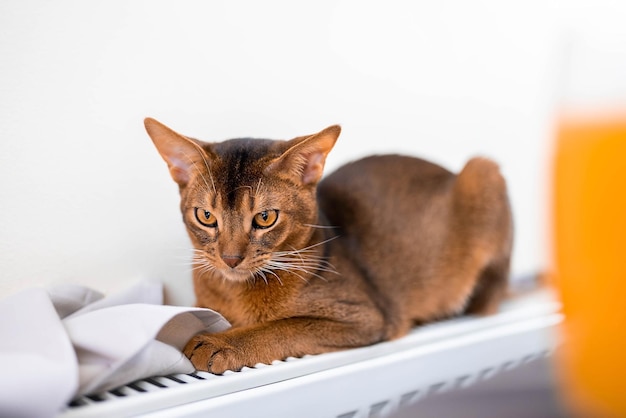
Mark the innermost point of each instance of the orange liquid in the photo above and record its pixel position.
(589, 231)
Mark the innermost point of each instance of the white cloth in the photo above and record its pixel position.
(69, 340)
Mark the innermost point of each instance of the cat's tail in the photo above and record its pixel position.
(483, 222)
(482, 203)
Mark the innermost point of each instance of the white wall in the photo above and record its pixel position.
(84, 197)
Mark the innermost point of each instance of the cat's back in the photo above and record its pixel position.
(384, 186)
(384, 167)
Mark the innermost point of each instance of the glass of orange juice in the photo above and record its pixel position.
(589, 231)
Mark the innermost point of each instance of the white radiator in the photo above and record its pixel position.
(372, 381)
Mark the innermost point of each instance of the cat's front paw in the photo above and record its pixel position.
(213, 354)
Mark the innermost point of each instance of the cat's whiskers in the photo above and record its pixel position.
(262, 270)
(183, 256)
(319, 243)
(270, 266)
(203, 268)
(258, 271)
(320, 226)
(300, 263)
(204, 179)
(200, 262)
(319, 264)
(308, 269)
(191, 160)
(241, 187)
(317, 259)
(206, 164)
(258, 188)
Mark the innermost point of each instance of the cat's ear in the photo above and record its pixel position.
(304, 160)
(179, 152)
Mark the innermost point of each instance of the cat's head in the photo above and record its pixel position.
(249, 205)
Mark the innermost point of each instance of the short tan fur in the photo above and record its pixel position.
(305, 264)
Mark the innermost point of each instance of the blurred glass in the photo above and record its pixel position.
(589, 227)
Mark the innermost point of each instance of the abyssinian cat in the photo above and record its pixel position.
(304, 265)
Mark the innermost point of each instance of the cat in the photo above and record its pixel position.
(302, 263)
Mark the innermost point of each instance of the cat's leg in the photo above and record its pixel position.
(276, 340)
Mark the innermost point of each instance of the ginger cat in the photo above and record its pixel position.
(304, 265)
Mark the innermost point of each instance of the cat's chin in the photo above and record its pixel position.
(235, 275)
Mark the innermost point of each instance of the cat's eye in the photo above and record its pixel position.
(206, 218)
(265, 219)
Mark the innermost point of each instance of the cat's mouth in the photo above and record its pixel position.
(203, 265)
(297, 263)
(263, 273)
(237, 274)
(241, 272)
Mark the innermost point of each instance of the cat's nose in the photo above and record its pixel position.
(232, 261)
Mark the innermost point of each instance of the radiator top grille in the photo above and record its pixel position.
(451, 354)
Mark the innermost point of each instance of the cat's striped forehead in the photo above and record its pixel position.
(240, 165)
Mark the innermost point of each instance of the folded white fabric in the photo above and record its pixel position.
(70, 340)
(39, 371)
